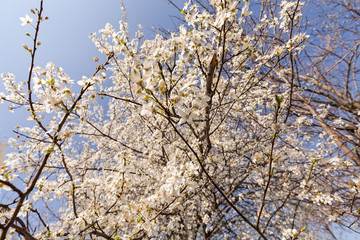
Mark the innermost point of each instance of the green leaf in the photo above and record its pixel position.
(278, 99)
(276, 107)
(50, 150)
(355, 150)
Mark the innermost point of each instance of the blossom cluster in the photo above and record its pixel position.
(177, 129)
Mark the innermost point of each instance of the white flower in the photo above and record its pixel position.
(206, 219)
(3, 147)
(324, 198)
(186, 117)
(84, 81)
(201, 102)
(245, 10)
(26, 20)
(147, 109)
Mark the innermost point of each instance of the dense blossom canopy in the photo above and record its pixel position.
(197, 134)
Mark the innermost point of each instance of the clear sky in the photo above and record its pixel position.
(65, 39)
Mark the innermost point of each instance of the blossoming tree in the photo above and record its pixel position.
(190, 136)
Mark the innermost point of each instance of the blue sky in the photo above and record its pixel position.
(65, 39)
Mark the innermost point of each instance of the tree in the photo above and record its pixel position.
(197, 135)
(330, 71)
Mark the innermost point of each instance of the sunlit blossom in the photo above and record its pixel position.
(26, 20)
